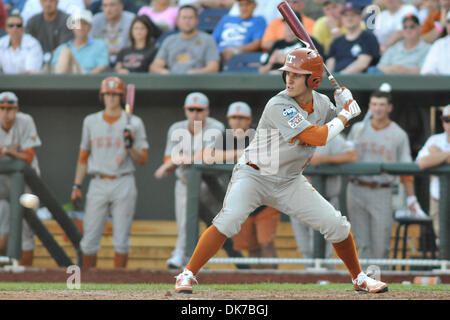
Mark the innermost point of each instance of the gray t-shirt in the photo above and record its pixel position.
(105, 143)
(182, 55)
(50, 34)
(398, 55)
(273, 149)
(116, 36)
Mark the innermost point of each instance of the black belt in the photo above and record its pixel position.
(371, 185)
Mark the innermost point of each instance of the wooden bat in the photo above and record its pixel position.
(129, 106)
(300, 31)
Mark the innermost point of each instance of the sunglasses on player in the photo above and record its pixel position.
(2, 108)
(195, 109)
(446, 119)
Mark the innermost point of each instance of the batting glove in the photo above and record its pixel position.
(350, 110)
(342, 96)
(128, 138)
(76, 197)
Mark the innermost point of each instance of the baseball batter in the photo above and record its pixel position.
(369, 198)
(18, 140)
(293, 123)
(112, 189)
(186, 141)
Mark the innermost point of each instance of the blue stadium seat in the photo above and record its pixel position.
(209, 17)
(243, 62)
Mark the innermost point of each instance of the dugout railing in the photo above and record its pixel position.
(21, 174)
(319, 174)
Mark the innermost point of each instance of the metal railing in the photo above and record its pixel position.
(20, 173)
(319, 174)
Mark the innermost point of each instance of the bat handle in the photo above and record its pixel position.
(334, 82)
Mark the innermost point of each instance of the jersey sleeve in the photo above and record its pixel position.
(404, 151)
(288, 119)
(85, 136)
(140, 135)
(30, 136)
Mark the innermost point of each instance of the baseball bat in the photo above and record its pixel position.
(129, 107)
(300, 31)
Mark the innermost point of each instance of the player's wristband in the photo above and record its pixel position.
(335, 127)
(76, 186)
(410, 200)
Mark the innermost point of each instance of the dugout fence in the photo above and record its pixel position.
(319, 174)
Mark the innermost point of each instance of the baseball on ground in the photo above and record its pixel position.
(29, 200)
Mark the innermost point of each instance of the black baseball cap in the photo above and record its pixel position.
(352, 6)
(411, 17)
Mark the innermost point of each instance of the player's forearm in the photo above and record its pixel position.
(139, 156)
(409, 187)
(432, 160)
(80, 173)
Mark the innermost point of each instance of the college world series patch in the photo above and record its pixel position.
(294, 117)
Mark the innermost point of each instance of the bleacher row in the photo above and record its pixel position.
(389, 22)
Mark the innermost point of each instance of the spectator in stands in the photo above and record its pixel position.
(274, 59)
(112, 25)
(407, 55)
(264, 8)
(330, 26)
(426, 7)
(435, 152)
(437, 61)
(162, 14)
(139, 56)
(240, 34)
(11, 5)
(19, 52)
(33, 7)
(189, 51)
(128, 5)
(355, 51)
(388, 23)
(82, 54)
(434, 26)
(275, 29)
(199, 4)
(50, 27)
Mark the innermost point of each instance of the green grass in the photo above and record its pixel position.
(18, 286)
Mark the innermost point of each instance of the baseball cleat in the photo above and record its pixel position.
(184, 282)
(364, 283)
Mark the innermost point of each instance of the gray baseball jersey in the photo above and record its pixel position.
(105, 143)
(281, 186)
(280, 122)
(181, 140)
(390, 144)
(116, 196)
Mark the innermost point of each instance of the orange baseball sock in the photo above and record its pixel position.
(346, 250)
(209, 243)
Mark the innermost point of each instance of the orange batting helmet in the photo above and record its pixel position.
(305, 61)
(112, 85)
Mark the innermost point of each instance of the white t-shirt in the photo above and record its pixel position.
(439, 140)
(437, 61)
(386, 23)
(27, 57)
(266, 8)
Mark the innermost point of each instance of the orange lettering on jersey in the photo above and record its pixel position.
(118, 142)
(100, 143)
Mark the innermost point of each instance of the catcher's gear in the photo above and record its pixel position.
(305, 61)
(112, 85)
(128, 138)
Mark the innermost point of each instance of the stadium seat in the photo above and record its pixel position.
(209, 17)
(243, 62)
